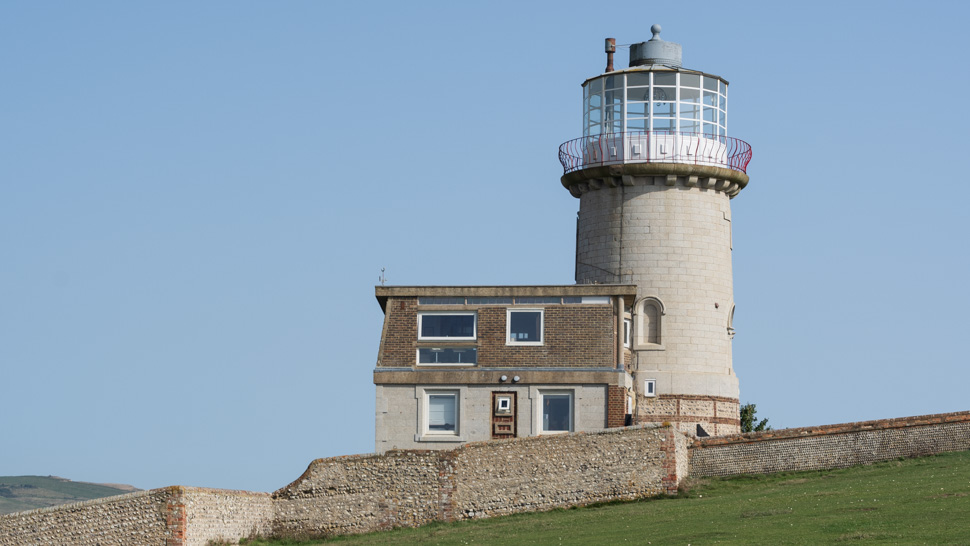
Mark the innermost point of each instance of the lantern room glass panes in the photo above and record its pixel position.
(686, 102)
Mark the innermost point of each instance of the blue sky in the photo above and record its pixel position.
(197, 199)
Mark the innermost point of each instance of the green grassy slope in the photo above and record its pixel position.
(18, 493)
(924, 501)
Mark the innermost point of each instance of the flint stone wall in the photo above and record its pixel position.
(359, 493)
(132, 518)
(347, 495)
(525, 475)
(830, 446)
(356, 494)
(224, 515)
(173, 516)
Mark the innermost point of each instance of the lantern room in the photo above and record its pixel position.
(655, 111)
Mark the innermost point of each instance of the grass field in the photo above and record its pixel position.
(914, 501)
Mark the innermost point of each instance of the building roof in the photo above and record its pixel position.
(384, 292)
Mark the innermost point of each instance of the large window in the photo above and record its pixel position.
(557, 411)
(442, 412)
(446, 326)
(524, 326)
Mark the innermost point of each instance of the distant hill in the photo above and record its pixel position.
(19, 493)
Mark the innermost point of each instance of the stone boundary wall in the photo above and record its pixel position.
(132, 518)
(358, 494)
(362, 493)
(222, 514)
(830, 446)
(173, 516)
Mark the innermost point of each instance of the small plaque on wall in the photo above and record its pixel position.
(500, 429)
(504, 404)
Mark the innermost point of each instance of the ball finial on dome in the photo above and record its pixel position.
(655, 29)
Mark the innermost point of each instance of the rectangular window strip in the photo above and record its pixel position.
(526, 300)
(448, 356)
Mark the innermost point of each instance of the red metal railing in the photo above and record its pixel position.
(654, 147)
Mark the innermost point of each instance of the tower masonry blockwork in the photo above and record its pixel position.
(654, 173)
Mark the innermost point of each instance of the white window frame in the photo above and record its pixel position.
(425, 434)
(417, 359)
(543, 393)
(508, 325)
(628, 332)
(650, 388)
(422, 314)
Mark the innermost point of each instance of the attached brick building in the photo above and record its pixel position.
(469, 363)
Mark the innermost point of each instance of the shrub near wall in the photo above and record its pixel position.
(830, 446)
(347, 495)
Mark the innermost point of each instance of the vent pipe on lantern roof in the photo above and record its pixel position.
(610, 50)
(655, 52)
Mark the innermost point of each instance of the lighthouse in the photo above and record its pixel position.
(655, 172)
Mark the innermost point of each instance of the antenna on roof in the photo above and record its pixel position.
(382, 278)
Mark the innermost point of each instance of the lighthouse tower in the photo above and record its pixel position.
(655, 172)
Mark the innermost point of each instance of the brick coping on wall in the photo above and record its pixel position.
(824, 430)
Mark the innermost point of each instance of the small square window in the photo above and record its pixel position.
(503, 404)
(524, 326)
(650, 387)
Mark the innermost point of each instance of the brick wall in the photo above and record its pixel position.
(615, 406)
(575, 335)
(830, 446)
(718, 415)
(400, 336)
(173, 516)
(347, 495)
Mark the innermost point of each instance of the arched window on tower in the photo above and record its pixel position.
(650, 311)
(730, 324)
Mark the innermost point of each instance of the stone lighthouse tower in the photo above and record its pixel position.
(655, 172)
